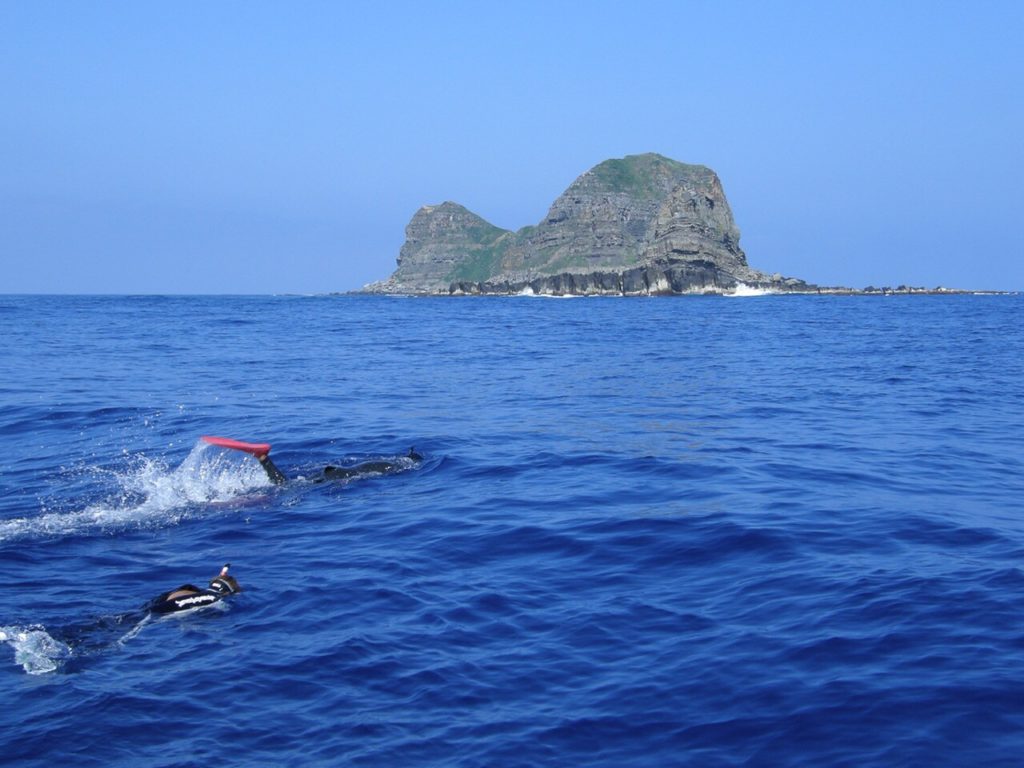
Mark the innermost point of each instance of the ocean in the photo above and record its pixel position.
(695, 531)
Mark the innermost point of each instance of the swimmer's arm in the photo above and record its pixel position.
(275, 475)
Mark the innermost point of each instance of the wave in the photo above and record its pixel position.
(150, 493)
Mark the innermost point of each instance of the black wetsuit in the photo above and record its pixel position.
(382, 467)
(276, 475)
(193, 598)
(368, 468)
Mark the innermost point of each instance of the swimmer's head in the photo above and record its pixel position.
(224, 584)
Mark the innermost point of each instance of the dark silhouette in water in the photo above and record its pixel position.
(331, 472)
(380, 467)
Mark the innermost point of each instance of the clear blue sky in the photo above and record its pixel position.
(257, 147)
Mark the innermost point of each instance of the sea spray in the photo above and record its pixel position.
(149, 493)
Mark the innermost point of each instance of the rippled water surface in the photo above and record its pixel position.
(704, 531)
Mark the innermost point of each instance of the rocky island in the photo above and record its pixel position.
(637, 226)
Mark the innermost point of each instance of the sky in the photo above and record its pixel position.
(282, 147)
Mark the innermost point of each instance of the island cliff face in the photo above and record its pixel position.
(641, 225)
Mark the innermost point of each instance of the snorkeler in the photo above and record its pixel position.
(261, 451)
(40, 650)
(380, 467)
(190, 596)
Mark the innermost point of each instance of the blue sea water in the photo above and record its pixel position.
(767, 531)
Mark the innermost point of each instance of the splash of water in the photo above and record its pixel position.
(742, 289)
(150, 493)
(39, 650)
(34, 649)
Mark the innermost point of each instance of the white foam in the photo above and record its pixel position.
(34, 649)
(152, 494)
(529, 293)
(742, 289)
